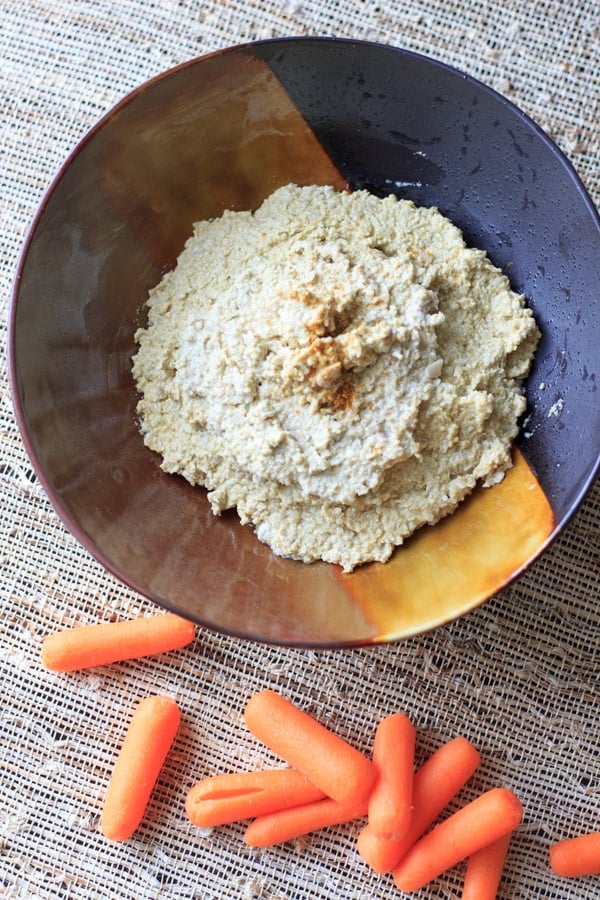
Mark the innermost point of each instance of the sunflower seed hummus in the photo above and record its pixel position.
(340, 368)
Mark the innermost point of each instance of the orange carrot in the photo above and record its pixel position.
(329, 762)
(97, 645)
(577, 856)
(490, 816)
(147, 742)
(437, 781)
(390, 803)
(292, 823)
(244, 795)
(484, 870)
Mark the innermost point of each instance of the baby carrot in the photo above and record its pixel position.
(490, 816)
(292, 823)
(390, 802)
(147, 742)
(329, 762)
(98, 645)
(484, 870)
(577, 856)
(437, 781)
(244, 795)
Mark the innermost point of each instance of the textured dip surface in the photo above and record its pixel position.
(340, 368)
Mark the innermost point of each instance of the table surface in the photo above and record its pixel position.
(518, 676)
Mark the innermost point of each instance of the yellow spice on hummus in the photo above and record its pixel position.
(340, 368)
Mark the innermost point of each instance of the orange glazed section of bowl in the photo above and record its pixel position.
(445, 570)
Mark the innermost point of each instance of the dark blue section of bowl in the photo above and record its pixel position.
(396, 122)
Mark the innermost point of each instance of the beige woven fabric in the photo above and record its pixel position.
(519, 676)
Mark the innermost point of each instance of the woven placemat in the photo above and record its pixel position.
(519, 676)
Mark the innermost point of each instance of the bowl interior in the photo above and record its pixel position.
(223, 132)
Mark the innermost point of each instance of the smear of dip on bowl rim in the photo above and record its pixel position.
(340, 368)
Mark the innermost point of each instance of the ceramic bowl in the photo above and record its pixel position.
(222, 132)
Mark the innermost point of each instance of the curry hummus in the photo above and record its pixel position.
(340, 368)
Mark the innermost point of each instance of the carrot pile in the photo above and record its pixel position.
(399, 804)
(434, 785)
(325, 782)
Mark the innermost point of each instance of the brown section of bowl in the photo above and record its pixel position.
(182, 148)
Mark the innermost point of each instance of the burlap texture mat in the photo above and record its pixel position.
(519, 676)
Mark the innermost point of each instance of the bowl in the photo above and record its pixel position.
(222, 132)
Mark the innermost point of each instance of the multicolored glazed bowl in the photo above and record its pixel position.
(223, 131)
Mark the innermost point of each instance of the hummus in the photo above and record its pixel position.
(340, 368)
